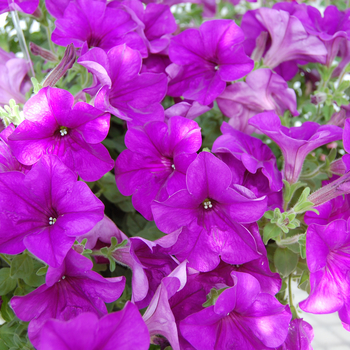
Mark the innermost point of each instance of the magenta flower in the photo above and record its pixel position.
(156, 161)
(15, 82)
(70, 290)
(208, 211)
(255, 156)
(74, 133)
(242, 317)
(8, 162)
(205, 59)
(45, 210)
(262, 90)
(56, 8)
(300, 336)
(26, 6)
(289, 41)
(97, 25)
(296, 142)
(187, 109)
(328, 259)
(120, 89)
(122, 330)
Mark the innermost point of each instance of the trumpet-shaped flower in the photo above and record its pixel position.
(295, 142)
(121, 330)
(120, 89)
(156, 160)
(205, 59)
(45, 210)
(74, 133)
(70, 290)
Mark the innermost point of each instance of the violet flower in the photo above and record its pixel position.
(300, 336)
(209, 210)
(8, 162)
(26, 6)
(74, 133)
(122, 330)
(45, 210)
(262, 90)
(15, 82)
(289, 41)
(241, 317)
(295, 142)
(156, 161)
(187, 109)
(205, 59)
(70, 290)
(96, 25)
(120, 89)
(328, 259)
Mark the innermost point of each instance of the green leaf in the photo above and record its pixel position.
(6, 311)
(304, 283)
(285, 261)
(135, 223)
(7, 284)
(21, 266)
(271, 231)
(150, 232)
(42, 271)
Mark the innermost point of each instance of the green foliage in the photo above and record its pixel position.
(285, 261)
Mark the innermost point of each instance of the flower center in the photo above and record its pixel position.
(207, 204)
(173, 166)
(52, 220)
(217, 67)
(63, 131)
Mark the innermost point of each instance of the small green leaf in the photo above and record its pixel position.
(302, 245)
(285, 261)
(271, 231)
(7, 284)
(21, 266)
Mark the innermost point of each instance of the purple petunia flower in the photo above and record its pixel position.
(122, 330)
(242, 317)
(8, 162)
(96, 25)
(120, 89)
(54, 126)
(15, 82)
(45, 210)
(69, 291)
(205, 59)
(287, 42)
(208, 211)
(295, 142)
(300, 335)
(328, 259)
(262, 90)
(156, 161)
(26, 6)
(187, 109)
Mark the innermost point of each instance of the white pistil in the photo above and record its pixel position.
(173, 166)
(216, 67)
(207, 204)
(52, 220)
(63, 131)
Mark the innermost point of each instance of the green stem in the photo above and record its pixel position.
(290, 295)
(311, 174)
(48, 33)
(3, 257)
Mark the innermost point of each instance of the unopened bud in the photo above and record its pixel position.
(39, 51)
(58, 72)
(318, 98)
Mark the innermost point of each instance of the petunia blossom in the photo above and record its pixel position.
(295, 142)
(8, 162)
(287, 42)
(121, 330)
(120, 89)
(96, 25)
(70, 290)
(156, 160)
(26, 6)
(45, 210)
(14, 83)
(74, 133)
(205, 59)
(262, 90)
(328, 259)
(242, 317)
(210, 211)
